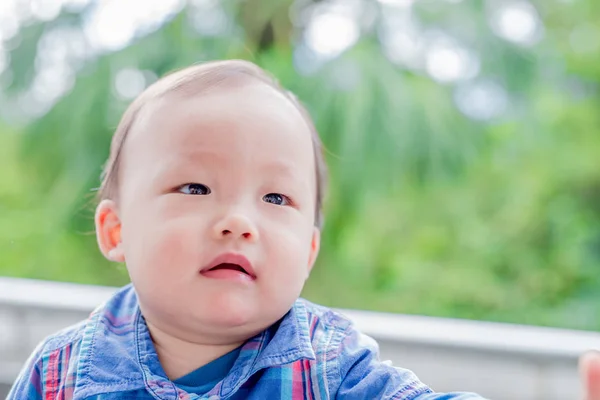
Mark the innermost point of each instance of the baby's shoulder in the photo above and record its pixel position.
(65, 337)
(62, 347)
(52, 366)
(74, 336)
(324, 323)
(325, 315)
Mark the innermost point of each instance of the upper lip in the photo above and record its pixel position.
(231, 258)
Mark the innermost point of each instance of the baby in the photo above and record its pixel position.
(212, 196)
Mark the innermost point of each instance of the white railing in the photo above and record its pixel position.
(499, 361)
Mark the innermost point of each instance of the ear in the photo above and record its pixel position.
(108, 231)
(315, 245)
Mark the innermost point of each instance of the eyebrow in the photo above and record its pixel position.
(175, 163)
(184, 158)
(189, 159)
(284, 167)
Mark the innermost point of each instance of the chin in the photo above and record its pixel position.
(230, 311)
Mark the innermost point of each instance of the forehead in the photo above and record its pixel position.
(252, 120)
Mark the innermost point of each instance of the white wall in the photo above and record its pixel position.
(499, 361)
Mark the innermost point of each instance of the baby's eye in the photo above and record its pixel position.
(277, 199)
(194, 188)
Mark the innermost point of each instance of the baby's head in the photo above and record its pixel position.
(214, 169)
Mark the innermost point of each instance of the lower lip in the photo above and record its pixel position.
(228, 275)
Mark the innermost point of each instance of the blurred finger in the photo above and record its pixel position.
(589, 367)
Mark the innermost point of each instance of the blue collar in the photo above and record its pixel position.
(117, 353)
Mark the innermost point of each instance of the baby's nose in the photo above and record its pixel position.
(236, 226)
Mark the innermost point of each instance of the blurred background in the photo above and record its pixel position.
(463, 139)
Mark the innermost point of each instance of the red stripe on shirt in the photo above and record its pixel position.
(52, 380)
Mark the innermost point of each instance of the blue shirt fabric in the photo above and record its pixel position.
(312, 353)
(206, 377)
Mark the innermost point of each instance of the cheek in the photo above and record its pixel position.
(288, 253)
(155, 240)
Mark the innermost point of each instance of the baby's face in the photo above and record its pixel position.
(225, 177)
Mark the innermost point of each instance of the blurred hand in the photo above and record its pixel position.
(589, 368)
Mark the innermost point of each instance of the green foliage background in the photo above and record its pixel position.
(429, 212)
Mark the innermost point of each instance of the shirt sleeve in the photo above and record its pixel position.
(28, 384)
(363, 376)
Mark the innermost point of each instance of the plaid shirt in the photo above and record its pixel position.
(313, 353)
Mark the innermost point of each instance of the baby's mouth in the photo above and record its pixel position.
(230, 266)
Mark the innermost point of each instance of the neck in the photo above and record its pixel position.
(179, 357)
